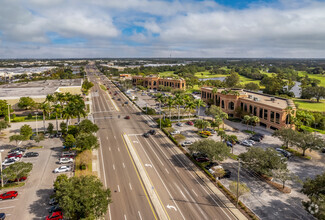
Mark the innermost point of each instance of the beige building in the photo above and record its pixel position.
(273, 112)
(153, 82)
(38, 90)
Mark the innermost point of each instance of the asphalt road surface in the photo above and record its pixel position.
(148, 177)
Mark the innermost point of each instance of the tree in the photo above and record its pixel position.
(69, 141)
(63, 127)
(222, 134)
(317, 92)
(252, 86)
(199, 103)
(17, 170)
(170, 103)
(247, 120)
(82, 197)
(214, 150)
(26, 103)
(45, 107)
(87, 126)
(3, 107)
(86, 141)
(57, 109)
(286, 135)
(306, 140)
(3, 125)
(242, 188)
(253, 121)
(200, 124)
(38, 138)
(26, 131)
(16, 138)
(314, 189)
(232, 80)
(283, 175)
(217, 122)
(262, 161)
(50, 128)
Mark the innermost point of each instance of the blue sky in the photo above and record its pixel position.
(158, 28)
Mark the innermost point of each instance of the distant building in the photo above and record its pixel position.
(153, 82)
(273, 112)
(126, 76)
(38, 90)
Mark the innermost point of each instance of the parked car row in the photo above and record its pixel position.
(55, 211)
(16, 154)
(65, 158)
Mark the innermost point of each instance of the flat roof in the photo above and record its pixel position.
(276, 102)
(36, 88)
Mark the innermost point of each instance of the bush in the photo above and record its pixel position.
(18, 119)
(150, 111)
(30, 116)
(83, 167)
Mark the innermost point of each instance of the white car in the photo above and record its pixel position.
(246, 143)
(65, 160)
(17, 152)
(62, 169)
(68, 153)
(250, 141)
(179, 124)
(175, 132)
(187, 143)
(9, 161)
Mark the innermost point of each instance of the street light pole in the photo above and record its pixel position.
(9, 112)
(1, 168)
(238, 182)
(36, 123)
(160, 113)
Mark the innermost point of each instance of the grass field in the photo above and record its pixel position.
(310, 105)
(313, 76)
(167, 73)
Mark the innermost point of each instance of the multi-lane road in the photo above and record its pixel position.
(149, 177)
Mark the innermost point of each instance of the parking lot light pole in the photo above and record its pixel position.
(9, 112)
(1, 168)
(36, 123)
(238, 182)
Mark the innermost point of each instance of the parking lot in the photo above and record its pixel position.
(33, 197)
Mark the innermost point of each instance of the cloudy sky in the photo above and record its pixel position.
(162, 28)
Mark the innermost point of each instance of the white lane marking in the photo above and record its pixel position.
(109, 212)
(170, 195)
(130, 186)
(196, 204)
(113, 167)
(123, 165)
(154, 152)
(9, 207)
(106, 138)
(171, 207)
(148, 165)
(118, 149)
(125, 217)
(118, 188)
(109, 148)
(101, 153)
(114, 137)
(194, 192)
(139, 215)
(166, 170)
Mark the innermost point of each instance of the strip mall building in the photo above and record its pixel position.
(273, 112)
(153, 82)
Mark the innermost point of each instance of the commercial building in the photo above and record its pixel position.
(38, 90)
(273, 112)
(153, 82)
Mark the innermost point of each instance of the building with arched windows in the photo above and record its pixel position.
(273, 112)
(153, 82)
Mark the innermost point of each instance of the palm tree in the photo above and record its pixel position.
(45, 107)
(247, 120)
(222, 134)
(190, 106)
(214, 91)
(223, 116)
(254, 120)
(50, 99)
(160, 98)
(170, 102)
(198, 123)
(178, 101)
(199, 103)
(57, 109)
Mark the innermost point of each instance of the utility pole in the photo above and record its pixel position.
(238, 182)
(36, 123)
(1, 168)
(160, 113)
(9, 112)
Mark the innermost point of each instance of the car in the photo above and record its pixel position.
(229, 144)
(8, 161)
(210, 130)
(21, 179)
(175, 132)
(206, 133)
(143, 93)
(210, 165)
(31, 154)
(246, 143)
(323, 150)
(189, 123)
(146, 135)
(55, 208)
(14, 155)
(47, 135)
(68, 153)
(126, 102)
(53, 202)
(9, 195)
(255, 138)
(65, 160)
(127, 117)
(152, 132)
(283, 152)
(259, 135)
(16, 152)
(2, 216)
(202, 159)
(187, 143)
(251, 141)
(62, 169)
(55, 216)
(118, 99)
(227, 174)
(179, 124)
(17, 149)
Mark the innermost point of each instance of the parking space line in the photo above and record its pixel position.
(9, 207)
(11, 200)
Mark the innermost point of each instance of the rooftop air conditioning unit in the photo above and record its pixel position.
(250, 96)
(272, 99)
(256, 99)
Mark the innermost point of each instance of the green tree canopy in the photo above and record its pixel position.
(69, 141)
(3, 125)
(50, 128)
(16, 138)
(26, 103)
(17, 170)
(26, 131)
(87, 126)
(286, 135)
(3, 107)
(82, 197)
(232, 80)
(252, 86)
(86, 141)
(214, 150)
(306, 140)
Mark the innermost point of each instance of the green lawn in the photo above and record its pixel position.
(310, 105)
(167, 74)
(206, 74)
(313, 76)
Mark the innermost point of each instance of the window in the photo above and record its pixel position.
(265, 114)
(288, 119)
(277, 118)
(154, 83)
(222, 104)
(261, 113)
(245, 108)
(242, 106)
(182, 84)
(231, 106)
(250, 109)
(255, 111)
(272, 117)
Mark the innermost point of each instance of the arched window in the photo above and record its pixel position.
(231, 106)
(288, 119)
(222, 104)
(154, 83)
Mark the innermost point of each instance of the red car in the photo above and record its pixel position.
(127, 117)
(14, 155)
(9, 195)
(55, 216)
(21, 179)
(190, 123)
